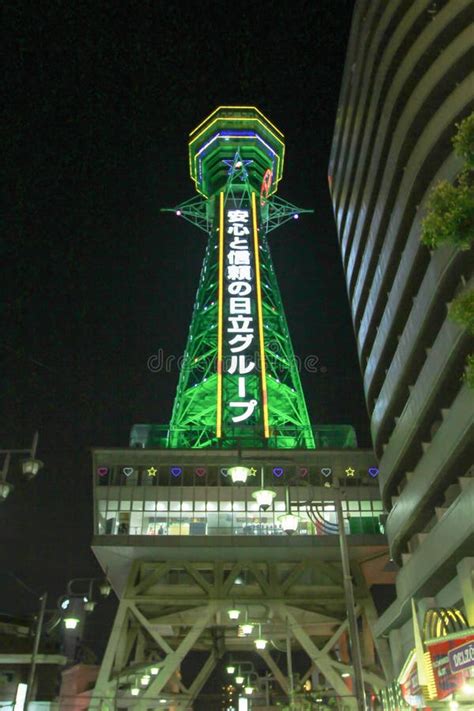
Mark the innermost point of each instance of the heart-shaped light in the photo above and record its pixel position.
(200, 471)
(224, 471)
(176, 471)
(326, 471)
(128, 471)
(102, 471)
(373, 471)
(278, 472)
(303, 471)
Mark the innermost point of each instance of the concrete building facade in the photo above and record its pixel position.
(408, 80)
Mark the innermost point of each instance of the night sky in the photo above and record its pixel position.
(99, 100)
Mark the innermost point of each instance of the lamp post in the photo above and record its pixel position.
(350, 603)
(78, 600)
(29, 466)
(32, 669)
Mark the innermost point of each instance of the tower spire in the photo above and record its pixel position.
(240, 383)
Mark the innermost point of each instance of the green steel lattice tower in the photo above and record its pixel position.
(239, 384)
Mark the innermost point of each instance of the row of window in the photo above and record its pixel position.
(186, 506)
(164, 520)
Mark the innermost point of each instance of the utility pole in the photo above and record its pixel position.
(39, 628)
(350, 604)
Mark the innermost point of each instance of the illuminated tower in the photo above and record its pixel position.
(223, 530)
(239, 383)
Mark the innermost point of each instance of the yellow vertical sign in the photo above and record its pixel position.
(220, 318)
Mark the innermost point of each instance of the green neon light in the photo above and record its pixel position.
(209, 169)
(280, 418)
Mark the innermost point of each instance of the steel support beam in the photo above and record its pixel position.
(322, 661)
(275, 670)
(173, 660)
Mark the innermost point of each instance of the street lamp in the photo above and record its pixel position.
(70, 607)
(87, 590)
(70, 622)
(260, 642)
(105, 588)
(5, 489)
(263, 497)
(289, 522)
(29, 467)
(246, 628)
(239, 474)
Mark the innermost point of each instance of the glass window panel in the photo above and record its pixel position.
(102, 505)
(199, 505)
(125, 505)
(162, 506)
(280, 506)
(150, 506)
(238, 506)
(225, 506)
(353, 505)
(136, 520)
(112, 505)
(187, 506)
(175, 506)
(377, 506)
(211, 506)
(137, 506)
(365, 505)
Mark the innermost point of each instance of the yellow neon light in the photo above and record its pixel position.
(258, 286)
(220, 317)
(235, 108)
(233, 118)
(279, 170)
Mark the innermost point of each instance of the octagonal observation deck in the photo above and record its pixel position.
(232, 130)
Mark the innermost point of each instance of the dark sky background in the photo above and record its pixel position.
(99, 100)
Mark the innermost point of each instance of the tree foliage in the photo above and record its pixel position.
(469, 372)
(463, 141)
(449, 215)
(449, 219)
(462, 310)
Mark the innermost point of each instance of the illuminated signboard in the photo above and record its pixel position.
(451, 659)
(241, 366)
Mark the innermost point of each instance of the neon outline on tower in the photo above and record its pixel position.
(239, 385)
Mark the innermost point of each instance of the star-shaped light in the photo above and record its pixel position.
(253, 471)
(152, 471)
(237, 164)
(350, 471)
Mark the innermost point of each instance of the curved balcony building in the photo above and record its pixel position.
(408, 80)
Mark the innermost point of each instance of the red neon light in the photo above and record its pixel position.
(266, 185)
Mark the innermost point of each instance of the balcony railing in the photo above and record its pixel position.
(244, 437)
